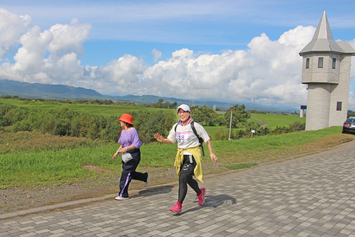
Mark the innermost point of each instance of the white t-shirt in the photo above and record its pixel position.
(185, 137)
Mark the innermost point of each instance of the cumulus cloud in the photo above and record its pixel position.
(63, 44)
(12, 27)
(267, 72)
(68, 38)
(29, 57)
(53, 57)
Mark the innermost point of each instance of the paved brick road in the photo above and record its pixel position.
(309, 196)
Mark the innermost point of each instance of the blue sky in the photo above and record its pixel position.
(155, 47)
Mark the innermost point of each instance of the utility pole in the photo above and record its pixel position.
(230, 125)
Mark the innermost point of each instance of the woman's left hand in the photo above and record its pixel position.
(213, 157)
(123, 150)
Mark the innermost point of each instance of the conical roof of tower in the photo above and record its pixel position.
(323, 39)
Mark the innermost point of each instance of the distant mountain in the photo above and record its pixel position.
(44, 91)
(62, 92)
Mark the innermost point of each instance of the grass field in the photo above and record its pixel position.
(281, 120)
(35, 159)
(273, 120)
(89, 160)
(106, 110)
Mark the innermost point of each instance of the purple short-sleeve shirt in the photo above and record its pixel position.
(130, 138)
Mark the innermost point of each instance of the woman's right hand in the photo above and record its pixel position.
(114, 155)
(159, 137)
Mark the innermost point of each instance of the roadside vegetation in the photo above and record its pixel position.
(50, 160)
(95, 120)
(46, 143)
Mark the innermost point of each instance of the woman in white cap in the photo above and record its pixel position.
(188, 158)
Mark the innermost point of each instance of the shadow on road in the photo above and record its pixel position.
(213, 201)
(156, 190)
(217, 200)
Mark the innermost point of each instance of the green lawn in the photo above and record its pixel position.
(280, 120)
(26, 168)
(273, 120)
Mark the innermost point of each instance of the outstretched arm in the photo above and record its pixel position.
(212, 155)
(160, 138)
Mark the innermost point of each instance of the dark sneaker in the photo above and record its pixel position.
(201, 196)
(176, 208)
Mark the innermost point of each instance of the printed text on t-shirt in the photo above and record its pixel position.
(183, 137)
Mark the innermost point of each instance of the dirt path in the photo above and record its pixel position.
(264, 123)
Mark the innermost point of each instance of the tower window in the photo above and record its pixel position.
(307, 63)
(334, 63)
(339, 104)
(320, 62)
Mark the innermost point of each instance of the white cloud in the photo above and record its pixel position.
(268, 72)
(68, 38)
(119, 76)
(12, 27)
(29, 58)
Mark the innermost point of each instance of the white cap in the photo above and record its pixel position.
(184, 107)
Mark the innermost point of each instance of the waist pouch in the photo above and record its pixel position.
(126, 157)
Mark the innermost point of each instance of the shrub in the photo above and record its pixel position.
(23, 125)
(297, 126)
(204, 115)
(148, 123)
(221, 135)
(15, 115)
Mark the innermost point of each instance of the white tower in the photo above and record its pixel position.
(326, 71)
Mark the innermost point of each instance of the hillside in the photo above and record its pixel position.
(44, 91)
(63, 92)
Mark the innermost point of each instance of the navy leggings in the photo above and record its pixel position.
(186, 173)
(129, 172)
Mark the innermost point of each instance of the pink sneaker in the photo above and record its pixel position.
(176, 208)
(201, 196)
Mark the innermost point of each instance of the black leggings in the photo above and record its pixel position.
(186, 173)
